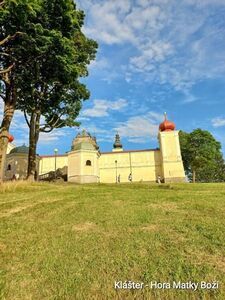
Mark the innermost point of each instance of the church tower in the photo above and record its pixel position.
(117, 146)
(83, 159)
(172, 165)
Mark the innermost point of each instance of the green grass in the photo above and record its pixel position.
(63, 241)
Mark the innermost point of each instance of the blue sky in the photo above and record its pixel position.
(153, 56)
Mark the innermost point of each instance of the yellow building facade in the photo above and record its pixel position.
(85, 163)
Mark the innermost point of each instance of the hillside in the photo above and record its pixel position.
(63, 241)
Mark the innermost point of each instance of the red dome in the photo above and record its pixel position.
(167, 125)
(11, 138)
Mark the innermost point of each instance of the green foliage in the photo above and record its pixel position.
(59, 56)
(16, 18)
(50, 54)
(45, 54)
(202, 156)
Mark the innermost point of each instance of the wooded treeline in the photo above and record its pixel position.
(202, 157)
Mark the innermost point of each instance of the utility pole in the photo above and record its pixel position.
(116, 170)
(56, 151)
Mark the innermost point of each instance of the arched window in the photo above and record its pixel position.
(88, 163)
(9, 168)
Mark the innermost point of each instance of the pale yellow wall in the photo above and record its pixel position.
(10, 147)
(74, 166)
(172, 165)
(144, 166)
(47, 163)
(78, 171)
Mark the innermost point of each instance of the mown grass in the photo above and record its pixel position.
(63, 241)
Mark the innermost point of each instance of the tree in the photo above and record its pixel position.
(16, 17)
(51, 84)
(202, 157)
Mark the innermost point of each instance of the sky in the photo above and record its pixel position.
(154, 56)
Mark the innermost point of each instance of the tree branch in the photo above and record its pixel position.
(4, 54)
(26, 118)
(8, 69)
(10, 37)
(2, 3)
(2, 96)
(55, 123)
(46, 130)
(59, 125)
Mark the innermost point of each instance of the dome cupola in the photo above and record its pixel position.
(167, 125)
(117, 146)
(84, 141)
(10, 138)
(117, 143)
(20, 150)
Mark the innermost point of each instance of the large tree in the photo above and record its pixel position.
(51, 84)
(16, 18)
(202, 157)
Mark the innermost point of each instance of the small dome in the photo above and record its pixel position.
(167, 125)
(21, 149)
(84, 141)
(11, 138)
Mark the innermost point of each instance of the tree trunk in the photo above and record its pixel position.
(3, 150)
(193, 176)
(9, 108)
(33, 139)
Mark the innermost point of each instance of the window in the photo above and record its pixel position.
(9, 168)
(88, 163)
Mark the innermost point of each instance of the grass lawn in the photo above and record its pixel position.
(63, 241)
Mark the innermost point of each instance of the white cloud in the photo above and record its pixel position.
(20, 130)
(218, 122)
(202, 3)
(100, 64)
(188, 97)
(106, 18)
(102, 107)
(116, 22)
(167, 41)
(1, 109)
(151, 54)
(140, 129)
(52, 137)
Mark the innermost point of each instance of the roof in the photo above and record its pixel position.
(21, 149)
(118, 152)
(49, 156)
(84, 145)
(130, 151)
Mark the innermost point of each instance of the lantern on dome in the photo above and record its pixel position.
(166, 125)
(10, 138)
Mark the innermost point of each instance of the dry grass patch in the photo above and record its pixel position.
(11, 186)
(15, 210)
(87, 226)
(167, 206)
(215, 261)
(2, 247)
(151, 227)
(118, 203)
